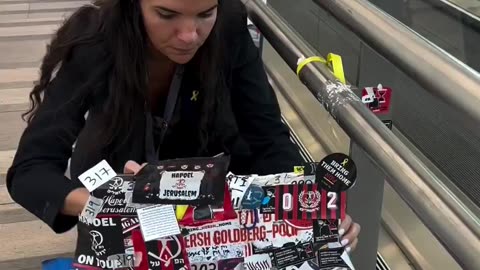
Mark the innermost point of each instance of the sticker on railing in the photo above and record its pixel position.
(378, 98)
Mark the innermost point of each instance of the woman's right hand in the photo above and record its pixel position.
(78, 198)
(75, 202)
(132, 167)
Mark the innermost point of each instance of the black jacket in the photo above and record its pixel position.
(260, 142)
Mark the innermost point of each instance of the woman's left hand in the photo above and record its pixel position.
(348, 232)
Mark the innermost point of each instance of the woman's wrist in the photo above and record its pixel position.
(75, 202)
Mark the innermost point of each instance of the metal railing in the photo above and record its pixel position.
(439, 209)
(433, 68)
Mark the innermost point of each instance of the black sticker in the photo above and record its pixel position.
(388, 123)
(268, 202)
(309, 168)
(192, 181)
(331, 258)
(98, 241)
(336, 172)
(292, 255)
(113, 194)
(202, 213)
(325, 231)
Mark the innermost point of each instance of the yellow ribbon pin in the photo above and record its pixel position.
(344, 163)
(195, 95)
(299, 170)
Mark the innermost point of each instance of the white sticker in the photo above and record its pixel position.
(128, 186)
(278, 179)
(346, 258)
(180, 185)
(158, 221)
(238, 185)
(91, 210)
(97, 175)
(217, 253)
(258, 262)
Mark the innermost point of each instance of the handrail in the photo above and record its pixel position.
(432, 67)
(438, 208)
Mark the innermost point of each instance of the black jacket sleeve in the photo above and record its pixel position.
(36, 178)
(257, 112)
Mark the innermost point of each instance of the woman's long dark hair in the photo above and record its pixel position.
(119, 25)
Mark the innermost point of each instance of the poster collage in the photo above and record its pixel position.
(193, 214)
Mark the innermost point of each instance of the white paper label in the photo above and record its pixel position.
(180, 185)
(158, 221)
(97, 175)
(216, 253)
(280, 179)
(91, 210)
(238, 185)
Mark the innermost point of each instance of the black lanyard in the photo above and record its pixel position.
(154, 123)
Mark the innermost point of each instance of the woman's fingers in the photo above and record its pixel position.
(349, 232)
(132, 167)
(345, 225)
(351, 236)
(352, 246)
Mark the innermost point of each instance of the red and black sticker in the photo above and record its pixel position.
(167, 254)
(303, 202)
(377, 99)
(336, 173)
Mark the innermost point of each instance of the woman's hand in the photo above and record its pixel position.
(348, 232)
(78, 198)
(75, 202)
(132, 167)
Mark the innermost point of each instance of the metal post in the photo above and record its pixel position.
(421, 189)
(366, 199)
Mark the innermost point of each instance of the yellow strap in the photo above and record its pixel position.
(180, 211)
(307, 61)
(334, 62)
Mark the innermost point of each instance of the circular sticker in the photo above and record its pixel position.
(336, 172)
(253, 197)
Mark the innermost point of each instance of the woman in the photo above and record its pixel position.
(159, 79)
